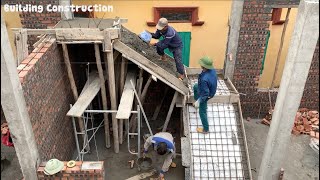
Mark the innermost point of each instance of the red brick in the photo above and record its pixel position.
(47, 45)
(39, 55)
(21, 66)
(28, 67)
(22, 74)
(26, 61)
(21, 80)
(33, 61)
(43, 50)
(31, 55)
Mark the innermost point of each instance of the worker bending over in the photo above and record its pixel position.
(171, 40)
(162, 143)
(204, 90)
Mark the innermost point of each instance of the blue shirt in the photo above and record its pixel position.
(171, 40)
(207, 84)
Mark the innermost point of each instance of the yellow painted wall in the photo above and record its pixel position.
(12, 20)
(209, 39)
(273, 48)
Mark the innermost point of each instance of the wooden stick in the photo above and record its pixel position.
(112, 90)
(280, 48)
(121, 86)
(103, 95)
(133, 119)
(157, 110)
(122, 74)
(145, 89)
(73, 88)
(173, 102)
(142, 110)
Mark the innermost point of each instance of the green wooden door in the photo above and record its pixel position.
(186, 39)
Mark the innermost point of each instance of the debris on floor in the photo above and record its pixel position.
(267, 120)
(306, 122)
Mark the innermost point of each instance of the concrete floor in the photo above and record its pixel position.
(302, 163)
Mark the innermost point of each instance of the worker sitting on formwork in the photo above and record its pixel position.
(204, 90)
(164, 151)
(171, 40)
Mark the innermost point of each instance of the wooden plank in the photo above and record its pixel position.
(37, 31)
(112, 90)
(173, 102)
(195, 71)
(21, 45)
(103, 95)
(107, 46)
(145, 89)
(126, 102)
(69, 70)
(75, 34)
(127, 97)
(151, 67)
(86, 97)
(74, 90)
(122, 73)
(157, 110)
(232, 98)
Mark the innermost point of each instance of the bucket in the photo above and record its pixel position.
(144, 164)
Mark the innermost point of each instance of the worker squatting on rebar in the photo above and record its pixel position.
(162, 143)
(171, 40)
(204, 90)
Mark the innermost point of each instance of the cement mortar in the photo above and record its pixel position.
(133, 41)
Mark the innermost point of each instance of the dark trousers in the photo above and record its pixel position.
(177, 55)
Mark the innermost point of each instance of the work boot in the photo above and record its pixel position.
(201, 130)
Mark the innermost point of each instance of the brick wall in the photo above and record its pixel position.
(75, 172)
(34, 20)
(48, 95)
(252, 41)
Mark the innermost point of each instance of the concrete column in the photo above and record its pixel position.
(301, 50)
(233, 37)
(66, 15)
(15, 111)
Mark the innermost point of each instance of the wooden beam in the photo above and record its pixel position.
(90, 90)
(126, 102)
(112, 90)
(157, 110)
(173, 102)
(103, 95)
(145, 89)
(73, 87)
(151, 67)
(74, 34)
(196, 71)
(122, 73)
(127, 97)
(21, 45)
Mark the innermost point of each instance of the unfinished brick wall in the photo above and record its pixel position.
(76, 172)
(34, 20)
(252, 42)
(47, 93)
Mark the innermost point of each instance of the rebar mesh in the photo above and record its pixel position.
(220, 154)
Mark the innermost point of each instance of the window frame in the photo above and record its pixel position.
(276, 16)
(194, 15)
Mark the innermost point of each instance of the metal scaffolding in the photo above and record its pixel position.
(88, 115)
